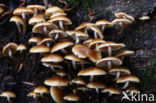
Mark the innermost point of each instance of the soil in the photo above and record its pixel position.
(139, 37)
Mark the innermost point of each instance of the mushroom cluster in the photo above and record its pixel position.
(83, 50)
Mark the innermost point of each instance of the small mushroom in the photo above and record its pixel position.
(61, 46)
(109, 46)
(60, 72)
(57, 33)
(56, 81)
(126, 79)
(103, 24)
(43, 27)
(61, 20)
(122, 15)
(75, 60)
(21, 47)
(117, 71)
(121, 22)
(78, 81)
(57, 94)
(71, 97)
(36, 19)
(40, 49)
(87, 41)
(33, 94)
(9, 49)
(35, 40)
(132, 90)
(52, 65)
(8, 95)
(19, 21)
(92, 71)
(46, 42)
(41, 90)
(144, 18)
(58, 13)
(122, 53)
(95, 43)
(35, 8)
(82, 88)
(111, 90)
(108, 62)
(96, 85)
(77, 35)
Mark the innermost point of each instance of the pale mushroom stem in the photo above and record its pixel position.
(77, 40)
(8, 98)
(60, 67)
(86, 31)
(109, 51)
(61, 25)
(45, 30)
(48, 44)
(35, 12)
(117, 75)
(23, 16)
(91, 78)
(52, 67)
(45, 3)
(109, 64)
(64, 51)
(121, 24)
(95, 35)
(18, 27)
(56, 36)
(10, 53)
(24, 28)
(74, 91)
(126, 85)
(96, 45)
(103, 28)
(74, 64)
(97, 90)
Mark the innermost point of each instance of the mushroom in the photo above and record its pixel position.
(77, 35)
(33, 94)
(126, 79)
(36, 19)
(132, 90)
(58, 13)
(122, 15)
(96, 85)
(109, 46)
(9, 49)
(103, 24)
(19, 21)
(41, 90)
(87, 41)
(43, 27)
(117, 71)
(57, 94)
(61, 46)
(35, 8)
(57, 33)
(71, 97)
(51, 10)
(95, 43)
(91, 71)
(54, 58)
(83, 26)
(78, 81)
(21, 47)
(52, 65)
(40, 49)
(111, 90)
(82, 88)
(61, 20)
(121, 22)
(46, 42)
(75, 60)
(23, 11)
(122, 53)
(8, 95)
(56, 81)
(108, 62)
(144, 18)
(35, 40)
(60, 72)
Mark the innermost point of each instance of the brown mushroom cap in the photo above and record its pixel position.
(49, 64)
(104, 62)
(41, 90)
(124, 53)
(1, 10)
(35, 39)
(46, 41)
(38, 28)
(52, 58)
(113, 45)
(95, 56)
(17, 19)
(60, 72)
(93, 42)
(126, 78)
(71, 97)
(40, 49)
(20, 10)
(84, 25)
(9, 47)
(58, 13)
(38, 7)
(33, 94)
(21, 47)
(124, 15)
(60, 45)
(118, 21)
(60, 32)
(92, 71)
(56, 81)
(122, 70)
(133, 89)
(83, 88)
(96, 84)
(78, 81)
(111, 90)
(87, 41)
(57, 94)
(73, 57)
(64, 19)
(7, 94)
(36, 19)
(104, 22)
(51, 10)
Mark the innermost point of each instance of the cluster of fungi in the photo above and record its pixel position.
(83, 50)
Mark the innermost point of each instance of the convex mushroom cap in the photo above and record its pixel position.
(21, 47)
(71, 97)
(124, 15)
(41, 90)
(9, 49)
(111, 90)
(57, 33)
(36, 19)
(40, 49)
(57, 94)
